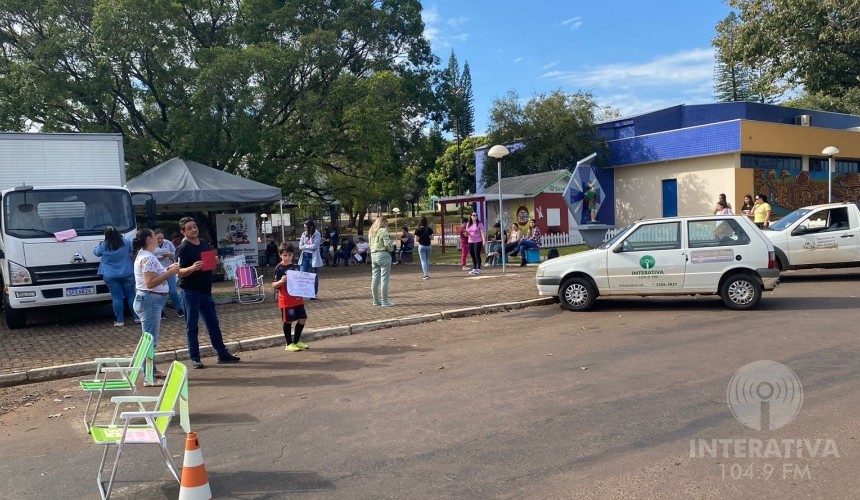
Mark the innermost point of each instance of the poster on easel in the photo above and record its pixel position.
(239, 231)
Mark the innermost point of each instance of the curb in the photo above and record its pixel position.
(86, 368)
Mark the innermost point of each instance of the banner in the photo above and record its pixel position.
(239, 231)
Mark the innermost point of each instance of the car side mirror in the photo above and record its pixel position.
(618, 249)
(799, 230)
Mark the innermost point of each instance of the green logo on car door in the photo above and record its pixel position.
(647, 262)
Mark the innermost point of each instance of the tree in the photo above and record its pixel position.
(458, 106)
(733, 80)
(806, 43)
(240, 86)
(420, 163)
(556, 129)
(442, 181)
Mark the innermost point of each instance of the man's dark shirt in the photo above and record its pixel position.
(199, 281)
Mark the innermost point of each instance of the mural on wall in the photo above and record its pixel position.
(522, 215)
(788, 190)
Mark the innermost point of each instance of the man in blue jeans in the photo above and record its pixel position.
(196, 285)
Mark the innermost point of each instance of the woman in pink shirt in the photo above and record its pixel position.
(477, 238)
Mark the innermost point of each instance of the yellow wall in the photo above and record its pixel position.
(778, 138)
(639, 189)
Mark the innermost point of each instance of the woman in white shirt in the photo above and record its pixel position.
(150, 283)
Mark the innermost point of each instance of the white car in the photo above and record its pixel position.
(718, 254)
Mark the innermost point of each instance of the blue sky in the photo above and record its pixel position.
(634, 55)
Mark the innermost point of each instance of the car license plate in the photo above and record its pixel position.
(80, 290)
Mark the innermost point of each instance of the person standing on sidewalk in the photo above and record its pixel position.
(311, 259)
(424, 233)
(166, 253)
(380, 259)
(464, 243)
(292, 308)
(151, 283)
(477, 239)
(196, 285)
(116, 271)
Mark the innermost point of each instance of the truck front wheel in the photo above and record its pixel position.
(15, 318)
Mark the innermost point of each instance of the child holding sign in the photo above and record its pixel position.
(292, 308)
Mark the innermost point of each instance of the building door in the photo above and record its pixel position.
(670, 197)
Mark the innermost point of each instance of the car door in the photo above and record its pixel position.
(714, 246)
(823, 236)
(649, 259)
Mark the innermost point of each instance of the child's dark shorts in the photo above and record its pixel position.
(291, 314)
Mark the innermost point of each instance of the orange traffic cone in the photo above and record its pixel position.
(195, 483)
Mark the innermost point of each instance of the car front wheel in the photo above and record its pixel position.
(740, 292)
(577, 294)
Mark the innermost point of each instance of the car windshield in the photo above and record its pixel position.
(788, 219)
(615, 238)
(41, 213)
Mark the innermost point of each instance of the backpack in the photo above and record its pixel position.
(553, 253)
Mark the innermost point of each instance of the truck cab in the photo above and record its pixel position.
(818, 236)
(47, 241)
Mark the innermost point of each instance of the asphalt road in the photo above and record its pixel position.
(536, 403)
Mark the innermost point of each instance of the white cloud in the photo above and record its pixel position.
(550, 65)
(690, 69)
(443, 33)
(518, 59)
(573, 22)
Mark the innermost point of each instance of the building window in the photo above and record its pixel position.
(846, 166)
(772, 162)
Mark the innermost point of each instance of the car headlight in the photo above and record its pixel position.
(540, 271)
(19, 275)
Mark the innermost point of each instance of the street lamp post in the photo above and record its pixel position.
(396, 212)
(830, 152)
(498, 152)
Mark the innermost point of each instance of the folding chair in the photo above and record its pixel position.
(249, 285)
(153, 430)
(125, 373)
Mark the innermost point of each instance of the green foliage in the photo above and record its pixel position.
(442, 180)
(810, 43)
(733, 80)
(557, 130)
(300, 94)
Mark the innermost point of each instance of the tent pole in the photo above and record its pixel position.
(283, 239)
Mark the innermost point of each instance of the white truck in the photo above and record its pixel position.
(817, 236)
(51, 184)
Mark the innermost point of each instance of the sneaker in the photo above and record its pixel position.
(385, 303)
(228, 358)
(473, 271)
(154, 383)
(181, 314)
(197, 364)
(523, 263)
(137, 321)
(426, 278)
(301, 345)
(159, 374)
(292, 348)
(466, 268)
(377, 303)
(119, 323)
(477, 272)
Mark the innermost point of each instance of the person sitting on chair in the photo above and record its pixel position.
(407, 242)
(497, 241)
(359, 253)
(345, 252)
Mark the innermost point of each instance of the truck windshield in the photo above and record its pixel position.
(43, 212)
(788, 219)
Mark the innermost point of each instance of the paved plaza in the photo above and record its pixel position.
(67, 335)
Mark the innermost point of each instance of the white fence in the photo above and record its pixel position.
(551, 240)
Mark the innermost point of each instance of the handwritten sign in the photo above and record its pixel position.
(301, 284)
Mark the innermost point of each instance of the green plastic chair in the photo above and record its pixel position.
(153, 429)
(116, 374)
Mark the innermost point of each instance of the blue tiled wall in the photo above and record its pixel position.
(606, 178)
(713, 139)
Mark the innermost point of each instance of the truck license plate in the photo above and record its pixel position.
(80, 290)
